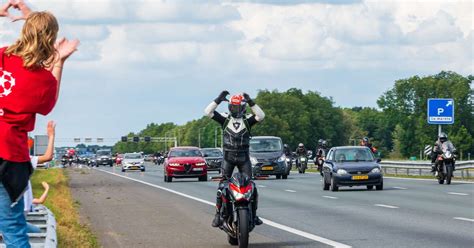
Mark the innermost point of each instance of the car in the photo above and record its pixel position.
(104, 157)
(133, 161)
(149, 158)
(351, 166)
(213, 157)
(185, 162)
(267, 157)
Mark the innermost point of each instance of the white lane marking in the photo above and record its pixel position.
(330, 197)
(399, 188)
(289, 190)
(424, 179)
(455, 193)
(265, 221)
(464, 219)
(261, 186)
(385, 206)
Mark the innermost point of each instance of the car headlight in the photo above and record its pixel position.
(200, 164)
(174, 164)
(253, 160)
(375, 170)
(282, 158)
(341, 172)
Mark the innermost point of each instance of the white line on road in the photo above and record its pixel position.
(265, 221)
(261, 186)
(385, 206)
(289, 190)
(424, 179)
(330, 197)
(455, 193)
(464, 219)
(399, 188)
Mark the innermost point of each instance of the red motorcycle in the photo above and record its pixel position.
(236, 211)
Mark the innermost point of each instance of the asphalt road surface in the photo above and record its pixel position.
(135, 209)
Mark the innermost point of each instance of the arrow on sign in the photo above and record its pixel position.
(449, 103)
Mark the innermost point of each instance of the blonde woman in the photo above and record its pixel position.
(30, 76)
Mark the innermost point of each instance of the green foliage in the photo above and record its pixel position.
(398, 128)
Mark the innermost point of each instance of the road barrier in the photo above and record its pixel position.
(422, 168)
(44, 219)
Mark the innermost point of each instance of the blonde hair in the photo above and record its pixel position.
(36, 43)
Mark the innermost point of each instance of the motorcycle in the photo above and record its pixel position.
(70, 161)
(445, 168)
(236, 212)
(289, 163)
(64, 161)
(302, 163)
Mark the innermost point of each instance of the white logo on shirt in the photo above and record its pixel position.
(7, 81)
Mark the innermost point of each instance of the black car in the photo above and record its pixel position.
(104, 157)
(268, 158)
(213, 157)
(351, 166)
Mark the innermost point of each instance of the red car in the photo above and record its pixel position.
(185, 162)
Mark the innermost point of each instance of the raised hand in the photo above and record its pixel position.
(4, 9)
(222, 97)
(51, 129)
(248, 99)
(66, 48)
(22, 7)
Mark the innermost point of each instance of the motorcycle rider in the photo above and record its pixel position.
(237, 126)
(438, 149)
(286, 150)
(301, 150)
(365, 142)
(321, 150)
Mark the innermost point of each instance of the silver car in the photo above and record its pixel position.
(133, 161)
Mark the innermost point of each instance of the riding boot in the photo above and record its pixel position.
(256, 220)
(217, 221)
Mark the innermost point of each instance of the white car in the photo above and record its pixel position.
(133, 161)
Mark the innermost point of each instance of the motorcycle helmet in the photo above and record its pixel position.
(324, 143)
(300, 145)
(237, 106)
(365, 140)
(442, 137)
(320, 142)
(285, 146)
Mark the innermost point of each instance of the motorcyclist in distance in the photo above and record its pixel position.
(365, 142)
(236, 141)
(438, 149)
(301, 150)
(286, 150)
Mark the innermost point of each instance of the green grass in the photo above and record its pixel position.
(71, 233)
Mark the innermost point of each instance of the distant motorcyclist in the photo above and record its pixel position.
(438, 149)
(365, 142)
(286, 150)
(322, 149)
(301, 150)
(236, 142)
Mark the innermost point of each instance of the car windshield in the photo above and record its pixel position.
(103, 153)
(132, 156)
(185, 153)
(212, 153)
(353, 155)
(265, 145)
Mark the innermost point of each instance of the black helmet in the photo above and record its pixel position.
(442, 137)
(237, 106)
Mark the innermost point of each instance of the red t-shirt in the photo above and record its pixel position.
(23, 94)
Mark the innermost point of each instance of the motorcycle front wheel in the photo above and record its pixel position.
(449, 174)
(243, 229)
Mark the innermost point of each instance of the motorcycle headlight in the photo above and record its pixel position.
(253, 160)
(341, 172)
(282, 158)
(375, 170)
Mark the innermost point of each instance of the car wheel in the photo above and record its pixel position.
(333, 186)
(379, 187)
(123, 170)
(143, 170)
(284, 176)
(370, 187)
(203, 178)
(278, 176)
(169, 179)
(325, 185)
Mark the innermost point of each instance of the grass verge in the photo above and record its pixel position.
(71, 233)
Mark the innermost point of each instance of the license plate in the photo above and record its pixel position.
(198, 169)
(267, 168)
(360, 177)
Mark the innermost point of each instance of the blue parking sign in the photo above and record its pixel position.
(440, 111)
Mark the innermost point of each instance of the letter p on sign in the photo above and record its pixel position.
(440, 111)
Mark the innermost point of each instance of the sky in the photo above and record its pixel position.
(143, 61)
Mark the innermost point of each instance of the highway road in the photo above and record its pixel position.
(298, 213)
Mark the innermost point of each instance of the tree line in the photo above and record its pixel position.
(398, 127)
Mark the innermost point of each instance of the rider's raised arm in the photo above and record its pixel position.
(210, 111)
(258, 112)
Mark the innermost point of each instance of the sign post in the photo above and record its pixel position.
(440, 112)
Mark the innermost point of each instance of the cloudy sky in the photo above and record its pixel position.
(145, 61)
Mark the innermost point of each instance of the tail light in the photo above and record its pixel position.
(241, 193)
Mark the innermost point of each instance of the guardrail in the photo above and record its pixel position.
(424, 168)
(44, 219)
